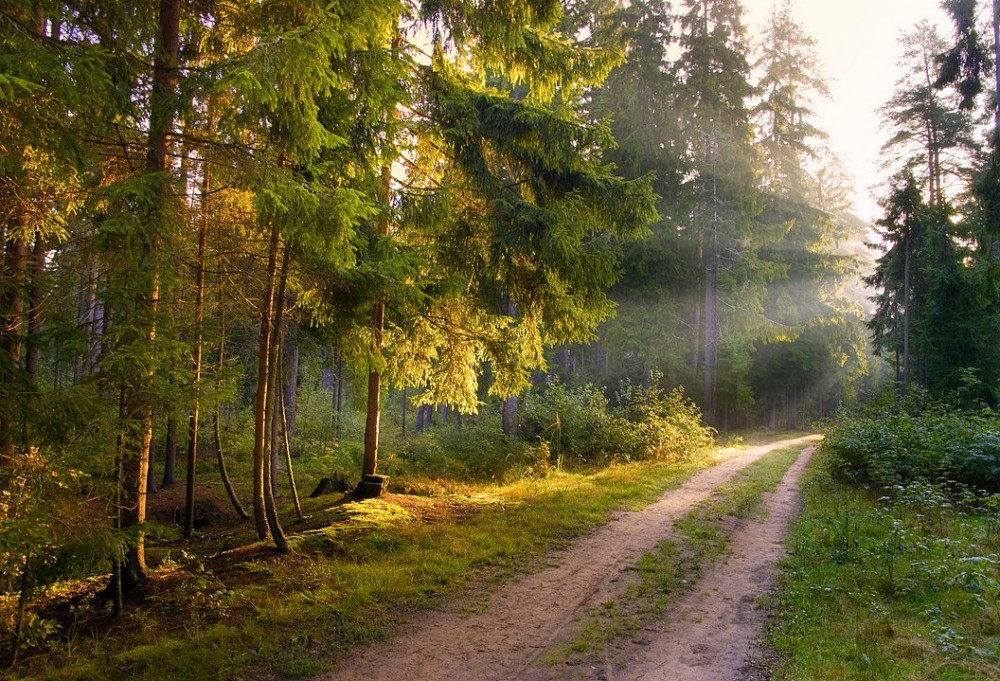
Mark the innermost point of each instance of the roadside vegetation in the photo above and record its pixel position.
(465, 508)
(895, 566)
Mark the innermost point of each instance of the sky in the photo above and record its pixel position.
(857, 42)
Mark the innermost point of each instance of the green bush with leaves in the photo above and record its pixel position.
(898, 447)
(645, 423)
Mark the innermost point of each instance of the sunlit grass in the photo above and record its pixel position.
(356, 567)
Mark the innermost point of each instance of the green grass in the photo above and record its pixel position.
(883, 589)
(702, 538)
(356, 568)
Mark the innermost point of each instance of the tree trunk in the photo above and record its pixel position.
(339, 406)
(508, 416)
(290, 372)
(711, 338)
(138, 399)
(404, 411)
(33, 355)
(12, 328)
(170, 454)
(374, 406)
(996, 74)
(419, 426)
(907, 368)
(277, 350)
(199, 319)
(261, 411)
(274, 382)
(288, 458)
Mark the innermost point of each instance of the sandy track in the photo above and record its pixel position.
(710, 633)
(520, 620)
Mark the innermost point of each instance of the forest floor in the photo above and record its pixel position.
(666, 592)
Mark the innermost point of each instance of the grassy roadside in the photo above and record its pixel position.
(702, 537)
(256, 615)
(882, 589)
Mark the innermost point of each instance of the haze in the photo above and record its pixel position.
(858, 45)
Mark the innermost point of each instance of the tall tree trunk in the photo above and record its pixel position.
(274, 384)
(370, 485)
(170, 453)
(288, 458)
(419, 426)
(996, 74)
(374, 406)
(696, 322)
(12, 327)
(711, 337)
(290, 374)
(907, 368)
(404, 411)
(508, 412)
(199, 319)
(37, 300)
(217, 428)
(262, 497)
(277, 350)
(339, 398)
(138, 400)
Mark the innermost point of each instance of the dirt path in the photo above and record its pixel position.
(710, 633)
(520, 620)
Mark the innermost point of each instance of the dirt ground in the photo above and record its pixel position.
(707, 635)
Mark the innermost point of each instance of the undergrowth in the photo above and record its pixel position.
(889, 583)
(247, 611)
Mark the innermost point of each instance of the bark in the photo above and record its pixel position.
(404, 411)
(339, 398)
(12, 327)
(199, 319)
(288, 459)
(374, 407)
(907, 368)
(268, 383)
(290, 372)
(419, 427)
(217, 430)
(138, 402)
(509, 416)
(221, 459)
(711, 338)
(996, 74)
(277, 349)
(261, 411)
(37, 300)
(170, 454)
(696, 354)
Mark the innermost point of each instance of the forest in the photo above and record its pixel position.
(476, 275)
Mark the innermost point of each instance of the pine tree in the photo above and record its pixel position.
(714, 70)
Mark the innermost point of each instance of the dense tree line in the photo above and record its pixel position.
(446, 201)
(935, 281)
(740, 294)
(411, 182)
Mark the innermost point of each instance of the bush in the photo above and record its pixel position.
(646, 424)
(893, 448)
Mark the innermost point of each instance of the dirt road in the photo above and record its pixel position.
(503, 639)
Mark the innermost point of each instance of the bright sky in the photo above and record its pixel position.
(858, 45)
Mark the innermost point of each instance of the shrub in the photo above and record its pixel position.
(892, 448)
(647, 423)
